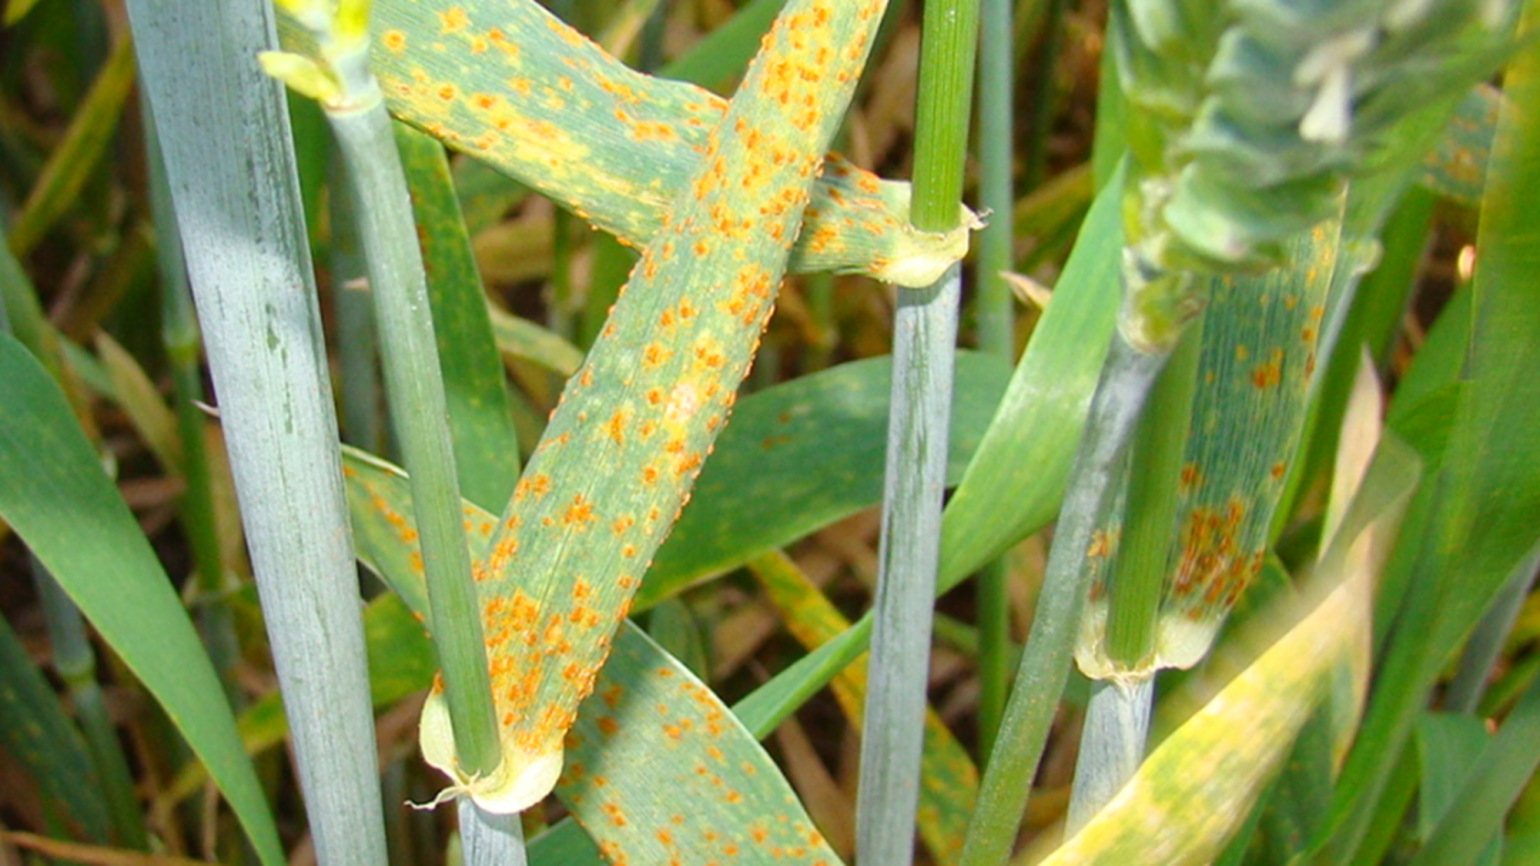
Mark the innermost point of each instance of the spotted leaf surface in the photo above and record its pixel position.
(1192, 793)
(510, 84)
(649, 725)
(1258, 355)
(778, 474)
(774, 477)
(638, 419)
(1457, 166)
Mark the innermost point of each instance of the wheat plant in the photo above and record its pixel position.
(648, 326)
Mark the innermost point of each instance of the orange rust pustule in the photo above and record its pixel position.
(661, 709)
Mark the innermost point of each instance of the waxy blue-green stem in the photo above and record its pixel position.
(381, 207)
(925, 337)
(229, 160)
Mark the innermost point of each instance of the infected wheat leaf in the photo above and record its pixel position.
(645, 704)
(636, 422)
(1259, 353)
(508, 83)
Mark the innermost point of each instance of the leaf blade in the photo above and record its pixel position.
(51, 486)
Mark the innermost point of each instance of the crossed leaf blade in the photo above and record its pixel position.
(510, 84)
(635, 424)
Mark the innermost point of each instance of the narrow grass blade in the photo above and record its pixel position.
(485, 194)
(565, 844)
(1016, 479)
(725, 51)
(675, 629)
(775, 475)
(1484, 513)
(1119, 631)
(75, 852)
(415, 392)
(1484, 650)
(624, 25)
(743, 504)
(767, 705)
(74, 660)
(1125, 382)
(1494, 781)
(950, 781)
(1496, 469)
(521, 338)
(140, 400)
(1130, 585)
(1375, 308)
(26, 321)
(54, 494)
(358, 374)
(1449, 747)
(509, 83)
(1457, 167)
(401, 663)
(994, 314)
(72, 162)
(480, 417)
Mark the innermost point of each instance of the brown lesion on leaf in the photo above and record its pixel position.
(1100, 545)
(1269, 373)
(1191, 477)
(1208, 550)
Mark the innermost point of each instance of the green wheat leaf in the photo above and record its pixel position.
(55, 495)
